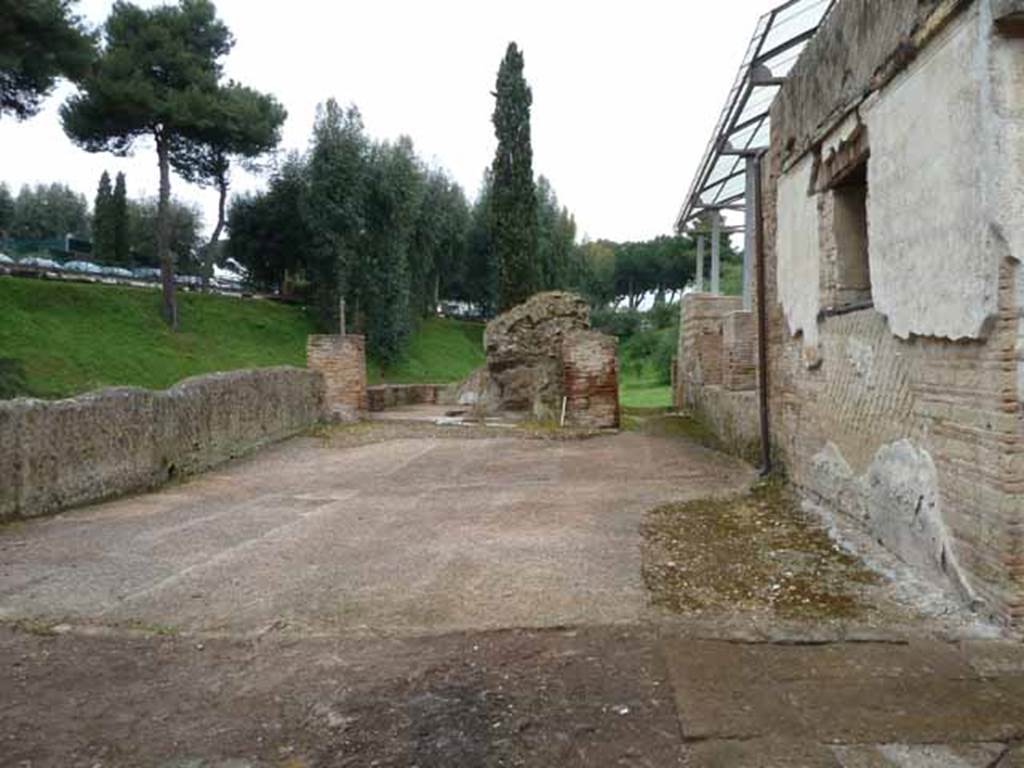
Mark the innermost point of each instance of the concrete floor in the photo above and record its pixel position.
(394, 595)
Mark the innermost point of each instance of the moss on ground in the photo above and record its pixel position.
(757, 551)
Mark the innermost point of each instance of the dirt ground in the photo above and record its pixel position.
(403, 594)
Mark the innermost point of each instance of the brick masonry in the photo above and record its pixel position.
(716, 370)
(841, 411)
(591, 379)
(63, 453)
(342, 362)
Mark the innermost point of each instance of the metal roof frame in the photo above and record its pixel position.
(743, 126)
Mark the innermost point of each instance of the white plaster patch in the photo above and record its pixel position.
(934, 269)
(897, 499)
(798, 251)
(862, 358)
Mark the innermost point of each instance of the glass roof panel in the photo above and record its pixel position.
(779, 38)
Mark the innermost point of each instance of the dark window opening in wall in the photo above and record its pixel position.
(850, 228)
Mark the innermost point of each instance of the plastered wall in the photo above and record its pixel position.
(908, 417)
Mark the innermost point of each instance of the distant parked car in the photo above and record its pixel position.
(146, 273)
(191, 280)
(83, 267)
(5, 259)
(116, 272)
(39, 263)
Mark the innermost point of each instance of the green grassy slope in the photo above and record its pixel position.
(58, 339)
(441, 350)
(73, 337)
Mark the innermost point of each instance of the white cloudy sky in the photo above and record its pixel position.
(626, 94)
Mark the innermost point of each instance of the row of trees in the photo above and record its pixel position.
(45, 211)
(123, 231)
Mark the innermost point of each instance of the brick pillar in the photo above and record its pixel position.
(342, 361)
(591, 378)
(739, 351)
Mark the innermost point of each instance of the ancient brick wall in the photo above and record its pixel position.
(918, 437)
(342, 362)
(58, 454)
(739, 352)
(701, 352)
(717, 369)
(591, 379)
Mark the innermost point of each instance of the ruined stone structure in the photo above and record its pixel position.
(342, 362)
(893, 198)
(61, 453)
(543, 350)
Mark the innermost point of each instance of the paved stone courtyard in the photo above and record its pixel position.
(396, 594)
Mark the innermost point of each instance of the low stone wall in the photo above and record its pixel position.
(58, 454)
(591, 378)
(380, 397)
(342, 361)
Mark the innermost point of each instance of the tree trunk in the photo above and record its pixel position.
(437, 293)
(222, 189)
(163, 234)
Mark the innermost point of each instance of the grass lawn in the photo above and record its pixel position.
(61, 338)
(637, 393)
(68, 338)
(441, 350)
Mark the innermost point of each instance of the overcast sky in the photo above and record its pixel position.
(625, 94)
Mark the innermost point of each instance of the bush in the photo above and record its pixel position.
(622, 323)
(664, 315)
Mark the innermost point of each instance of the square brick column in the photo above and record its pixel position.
(591, 377)
(342, 362)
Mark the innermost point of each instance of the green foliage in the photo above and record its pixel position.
(119, 213)
(185, 227)
(6, 209)
(513, 208)
(270, 236)
(391, 205)
(557, 240)
(49, 211)
(480, 279)
(357, 220)
(240, 123)
(74, 337)
(40, 40)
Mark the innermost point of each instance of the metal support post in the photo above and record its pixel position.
(716, 265)
(700, 263)
(750, 234)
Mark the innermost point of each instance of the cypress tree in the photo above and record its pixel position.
(119, 214)
(513, 204)
(103, 221)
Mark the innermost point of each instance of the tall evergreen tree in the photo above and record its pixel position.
(103, 221)
(513, 195)
(157, 76)
(119, 213)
